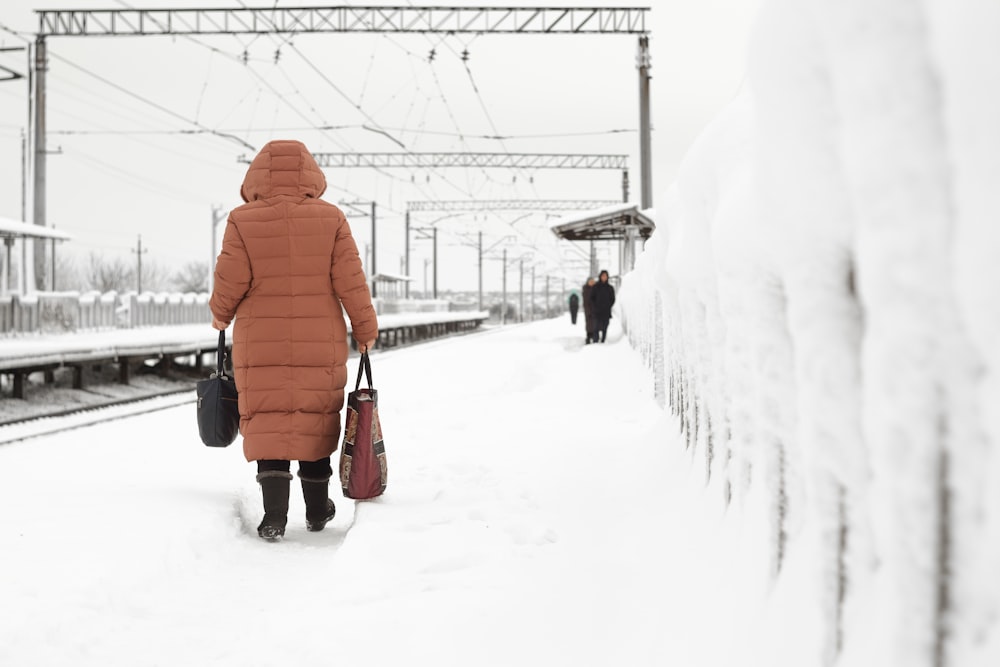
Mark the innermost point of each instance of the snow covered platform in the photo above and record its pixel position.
(21, 356)
(523, 525)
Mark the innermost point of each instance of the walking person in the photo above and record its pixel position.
(588, 309)
(602, 297)
(574, 306)
(288, 269)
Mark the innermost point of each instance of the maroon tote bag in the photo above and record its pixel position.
(363, 470)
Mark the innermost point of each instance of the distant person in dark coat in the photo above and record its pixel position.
(588, 318)
(602, 297)
(574, 306)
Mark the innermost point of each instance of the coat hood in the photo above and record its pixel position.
(283, 167)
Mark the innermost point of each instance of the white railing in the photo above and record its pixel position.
(66, 312)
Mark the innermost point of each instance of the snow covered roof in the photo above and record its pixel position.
(16, 228)
(606, 223)
(392, 277)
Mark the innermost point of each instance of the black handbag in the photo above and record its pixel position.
(218, 409)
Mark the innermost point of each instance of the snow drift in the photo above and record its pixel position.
(818, 305)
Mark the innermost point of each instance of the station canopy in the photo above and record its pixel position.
(17, 229)
(609, 223)
(390, 284)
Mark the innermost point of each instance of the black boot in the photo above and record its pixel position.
(274, 485)
(319, 507)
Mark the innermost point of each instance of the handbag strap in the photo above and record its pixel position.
(220, 355)
(364, 365)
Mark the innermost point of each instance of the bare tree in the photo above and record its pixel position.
(109, 274)
(155, 277)
(192, 277)
(67, 274)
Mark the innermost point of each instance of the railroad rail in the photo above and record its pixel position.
(21, 357)
(132, 345)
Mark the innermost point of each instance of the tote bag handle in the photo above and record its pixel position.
(220, 356)
(364, 366)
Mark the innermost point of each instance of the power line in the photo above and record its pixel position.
(153, 104)
(17, 33)
(374, 127)
(340, 92)
(356, 126)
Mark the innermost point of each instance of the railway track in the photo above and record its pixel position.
(36, 426)
(61, 419)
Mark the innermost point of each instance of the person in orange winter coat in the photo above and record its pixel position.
(288, 269)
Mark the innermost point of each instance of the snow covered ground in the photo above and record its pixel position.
(535, 510)
(819, 303)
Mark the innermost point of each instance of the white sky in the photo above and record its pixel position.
(125, 168)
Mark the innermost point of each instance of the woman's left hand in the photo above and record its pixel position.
(218, 326)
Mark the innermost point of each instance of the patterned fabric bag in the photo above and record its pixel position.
(363, 469)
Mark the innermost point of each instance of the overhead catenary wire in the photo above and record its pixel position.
(268, 130)
(203, 127)
(372, 124)
(155, 105)
(428, 62)
(322, 75)
(464, 58)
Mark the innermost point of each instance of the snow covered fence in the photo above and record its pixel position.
(824, 278)
(62, 312)
(150, 309)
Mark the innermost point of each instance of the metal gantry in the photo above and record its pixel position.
(443, 160)
(366, 19)
(248, 20)
(540, 205)
(412, 160)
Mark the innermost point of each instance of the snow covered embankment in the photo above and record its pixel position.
(822, 285)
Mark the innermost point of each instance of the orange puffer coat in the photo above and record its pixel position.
(288, 262)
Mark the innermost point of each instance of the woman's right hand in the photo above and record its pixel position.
(364, 347)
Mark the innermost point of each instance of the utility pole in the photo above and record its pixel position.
(139, 253)
(547, 302)
(532, 316)
(24, 212)
(40, 68)
(645, 134)
(520, 314)
(218, 215)
(482, 253)
(406, 268)
(435, 262)
(422, 232)
(53, 241)
(374, 269)
(24, 176)
(27, 274)
(503, 303)
(6, 277)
